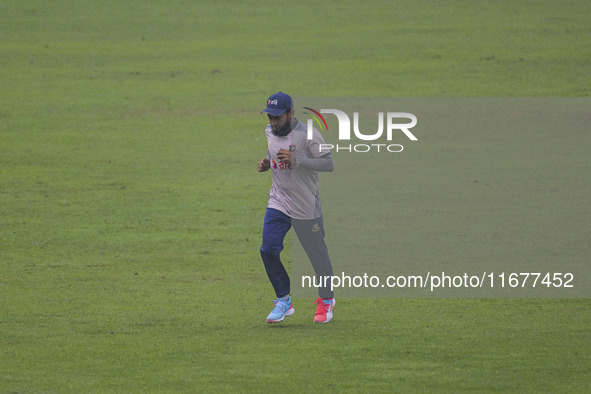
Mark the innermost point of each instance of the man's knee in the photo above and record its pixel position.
(271, 252)
(272, 246)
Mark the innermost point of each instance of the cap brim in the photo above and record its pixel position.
(274, 111)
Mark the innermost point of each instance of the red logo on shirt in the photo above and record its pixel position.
(280, 165)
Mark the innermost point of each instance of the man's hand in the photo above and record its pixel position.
(285, 156)
(263, 165)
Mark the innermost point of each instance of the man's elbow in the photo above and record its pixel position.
(331, 168)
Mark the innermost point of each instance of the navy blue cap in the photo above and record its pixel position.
(278, 103)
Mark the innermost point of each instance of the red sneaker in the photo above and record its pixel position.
(324, 310)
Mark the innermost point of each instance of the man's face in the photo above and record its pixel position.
(281, 124)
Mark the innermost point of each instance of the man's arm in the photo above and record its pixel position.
(321, 164)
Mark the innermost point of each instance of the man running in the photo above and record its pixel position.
(294, 200)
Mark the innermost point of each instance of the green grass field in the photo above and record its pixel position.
(131, 209)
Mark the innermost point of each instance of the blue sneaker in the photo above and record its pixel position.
(281, 309)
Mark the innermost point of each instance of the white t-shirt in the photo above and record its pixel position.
(295, 189)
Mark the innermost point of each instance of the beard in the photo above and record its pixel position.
(283, 131)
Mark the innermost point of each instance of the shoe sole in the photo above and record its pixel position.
(289, 312)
